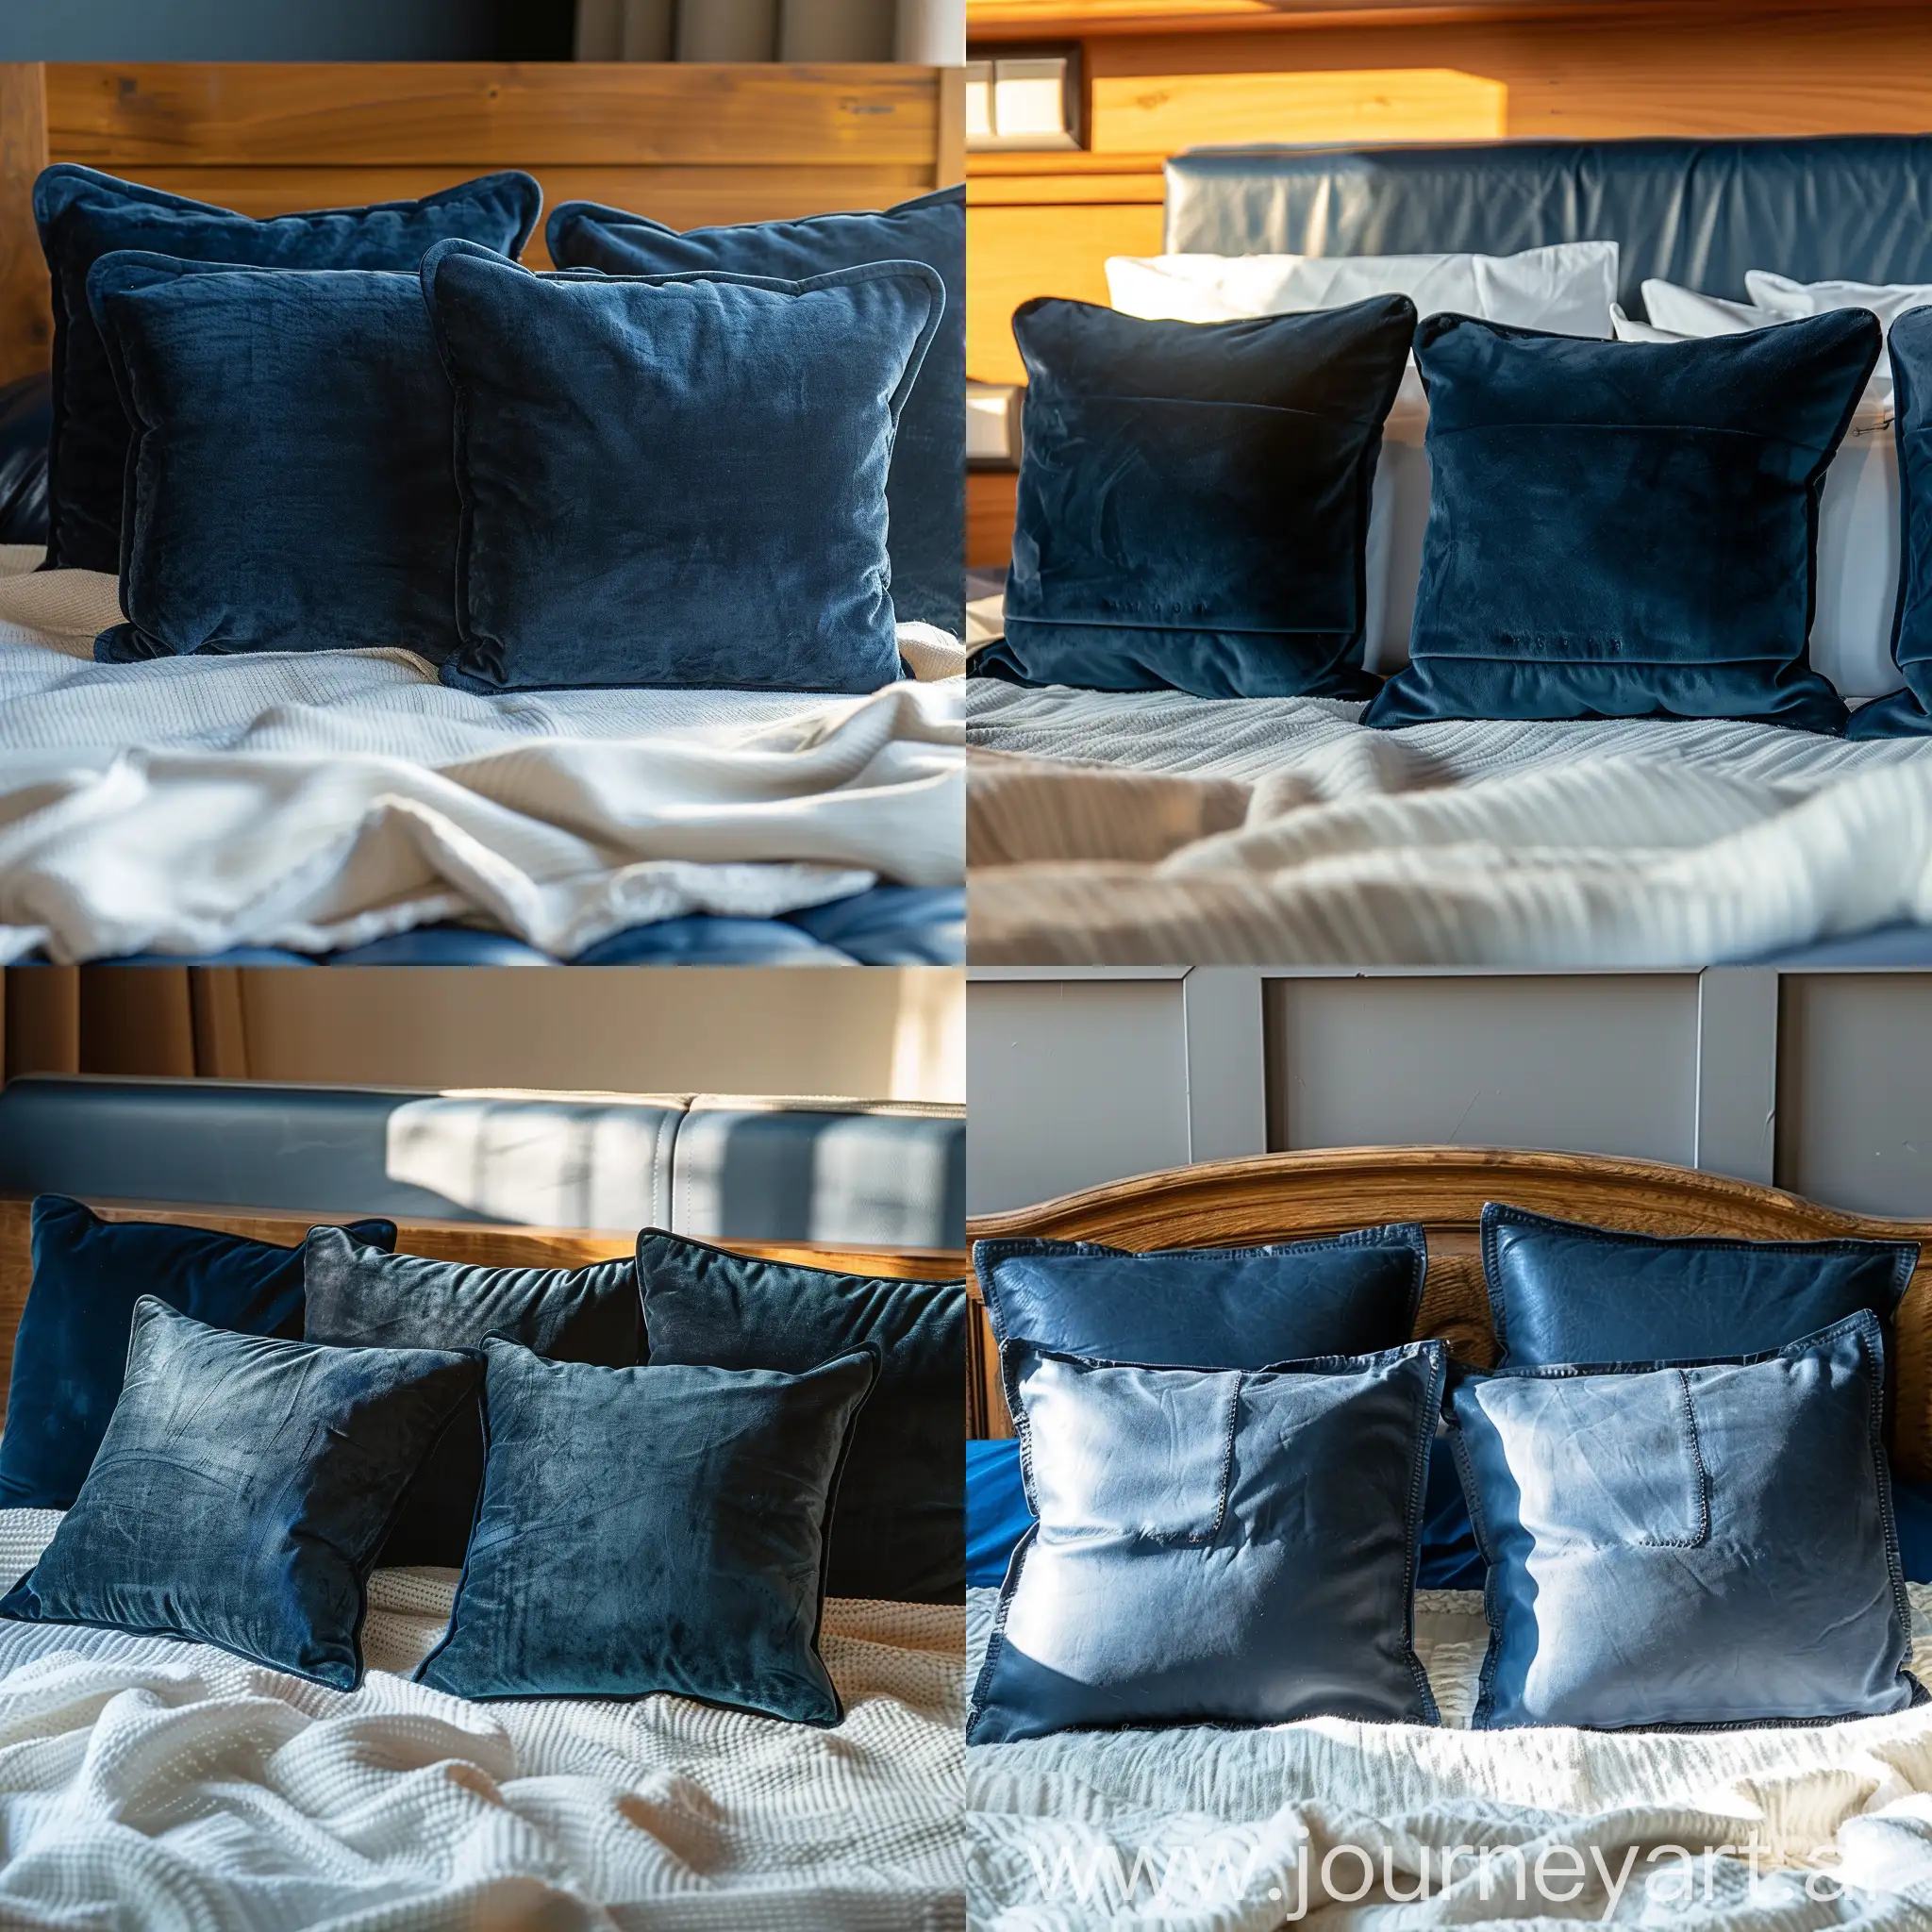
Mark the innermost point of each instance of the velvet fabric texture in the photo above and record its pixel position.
(1689, 1544)
(899, 1530)
(1625, 529)
(647, 1530)
(926, 490)
(1194, 500)
(71, 1350)
(289, 484)
(1908, 713)
(1213, 1546)
(83, 215)
(359, 1296)
(243, 1488)
(1562, 1292)
(678, 479)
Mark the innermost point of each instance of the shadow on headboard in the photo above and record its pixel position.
(1298, 1196)
(686, 145)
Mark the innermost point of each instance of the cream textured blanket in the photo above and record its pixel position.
(153, 1786)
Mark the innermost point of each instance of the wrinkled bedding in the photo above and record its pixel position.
(1837, 1817)
(148, 1785)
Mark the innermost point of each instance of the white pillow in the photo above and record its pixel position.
(1567, 290)
(1685, 312)
(1790, 301)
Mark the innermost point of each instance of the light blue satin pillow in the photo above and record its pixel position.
(1214, 1546)
(1688, 1545)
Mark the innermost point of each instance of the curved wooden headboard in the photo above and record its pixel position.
(1292, 1196)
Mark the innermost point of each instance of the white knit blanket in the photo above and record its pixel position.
(323, 801)
(153, 1786)
(1194, 1829)
(1155, 828)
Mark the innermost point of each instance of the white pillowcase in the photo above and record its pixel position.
(1788, 301)
(1684, 312)
(1567, 290)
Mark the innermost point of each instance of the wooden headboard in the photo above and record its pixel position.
(1295, 1196)
(489, 1243)
(686, 145)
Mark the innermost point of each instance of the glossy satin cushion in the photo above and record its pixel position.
(1208, 1308)
(675, 479)
(899, 1529)
(653, 1529)
(359, 1296)
(1193, 499)
(289, 484)
(83, 215)
(1689, 1544)
(242, 1492)
(1625, 529)
(997, 1515)
(1214, 1546)
(1560, 1292)
(925, 489)
(71, 1349)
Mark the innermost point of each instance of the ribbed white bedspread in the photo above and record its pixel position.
(316, 802)
(1155, 828)
(153, 1786)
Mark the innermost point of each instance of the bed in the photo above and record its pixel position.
(1228, 1826)
(597, 826)
(1142, 827)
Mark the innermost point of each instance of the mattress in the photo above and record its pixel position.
(1200, 1828)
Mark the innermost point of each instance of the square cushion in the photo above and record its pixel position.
(1214, 1546)
(925, 489)
(648, 1530)
(289, 485)
(356, 1294)
(899, 1530)
(71, 1349)
(1625, 529)
(242, 1492)
(83, 214)
(675, 480)
(1193, 499)
(1688, 1544)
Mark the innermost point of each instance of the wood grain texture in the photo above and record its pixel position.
(1299, 1196)
(26, 321)
(991, 498)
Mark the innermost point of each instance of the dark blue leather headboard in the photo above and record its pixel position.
(1696, 212)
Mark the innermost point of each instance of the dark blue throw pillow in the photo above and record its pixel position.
(1625, 529)
(1213, 1546)
(1193, 508)
(675, 479)
(997, 1515)
(899, 1531)
(1908, 713)
(927, 487)
(83, 214)
(1689, 1544)
(288, 483)
(242, 1492)
(71, 1350)
(359, 1295)
(655, 1530)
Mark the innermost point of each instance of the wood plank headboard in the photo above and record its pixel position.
(1297, 1196)
(686, 145)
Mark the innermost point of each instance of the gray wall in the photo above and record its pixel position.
(273, 29)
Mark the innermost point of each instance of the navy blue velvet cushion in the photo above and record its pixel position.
(1908, 713)
(1193, 499)
(925, 489)
(1625, 529)
(1214, 1546)
(71, 1349)
(1562, 1292)
(83, 215)
(655, 1530)
(899, 1532)
(357, 1295)
(242, 1489)
(675, 479)
(997, 1515)
(289, 484)
(1689, 1544)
